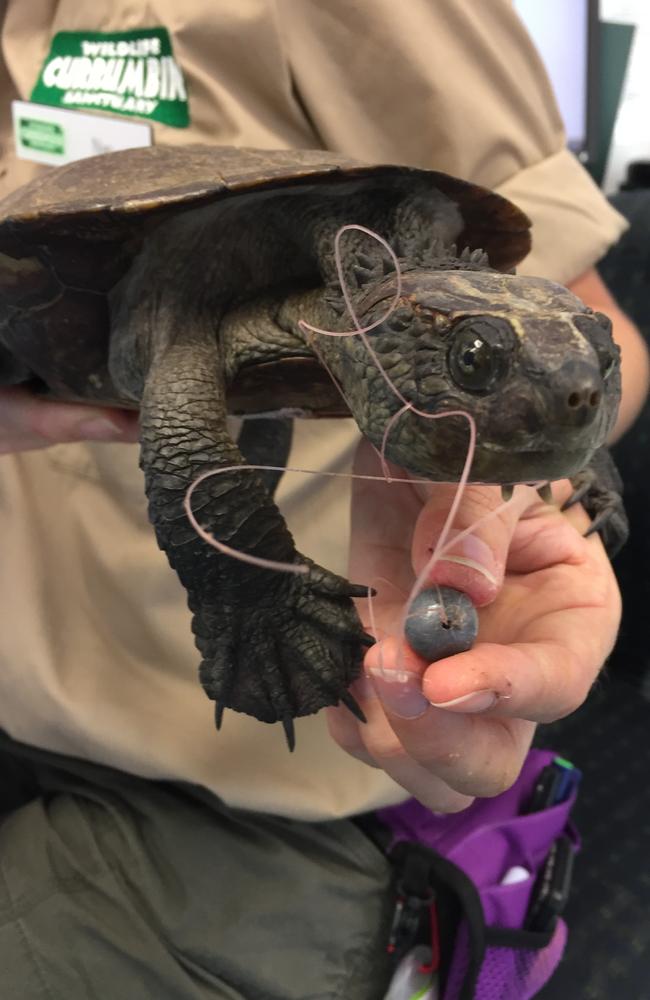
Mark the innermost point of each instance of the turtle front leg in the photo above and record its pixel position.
(599, 488)
(274, 645)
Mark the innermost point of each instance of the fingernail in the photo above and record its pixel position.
(98, 429)
(474, 553)
(400, 692)
(477, 701)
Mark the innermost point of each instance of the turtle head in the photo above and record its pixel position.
(537, 370)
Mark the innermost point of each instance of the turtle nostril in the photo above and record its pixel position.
(577, 399)
(579, 393)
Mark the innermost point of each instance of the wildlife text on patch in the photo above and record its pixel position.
(125, 72)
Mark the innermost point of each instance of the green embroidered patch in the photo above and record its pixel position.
(124, 72)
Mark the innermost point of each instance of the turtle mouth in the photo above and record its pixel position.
(503, 467)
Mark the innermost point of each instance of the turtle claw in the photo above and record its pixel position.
(578, 493)
(360, 590)
(366, 640)
(290, 733)
(599, 487)
(353, 706)
(326, 584)
(611, 524)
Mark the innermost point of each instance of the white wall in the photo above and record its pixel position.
(559, 29)
(631, 139)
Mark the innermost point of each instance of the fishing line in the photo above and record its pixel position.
(443, 544)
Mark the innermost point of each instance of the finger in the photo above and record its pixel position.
(551, 537)
(382, 519)
(28, 421)
(345, 729)
(472, 754)
(537, 681)
(544, 641)
(379, 504)
(431, 790)
(473, 559)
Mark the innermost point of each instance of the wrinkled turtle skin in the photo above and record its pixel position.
(174, 280)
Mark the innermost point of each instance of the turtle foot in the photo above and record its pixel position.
(294, 654)
(599, 488)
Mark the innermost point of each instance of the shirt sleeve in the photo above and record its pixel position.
(456, 85)
(573, 223)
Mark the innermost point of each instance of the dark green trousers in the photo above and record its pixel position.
(117, 888)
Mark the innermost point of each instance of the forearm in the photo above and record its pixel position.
(28, 421)
(635, 361)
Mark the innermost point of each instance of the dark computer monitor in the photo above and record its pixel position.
(566, 34)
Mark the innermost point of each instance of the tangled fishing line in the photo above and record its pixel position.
(441, 549)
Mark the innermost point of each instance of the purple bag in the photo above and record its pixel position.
(451, 870)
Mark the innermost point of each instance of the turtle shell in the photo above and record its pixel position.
(71, 234)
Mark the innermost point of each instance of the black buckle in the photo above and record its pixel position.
(415, 897)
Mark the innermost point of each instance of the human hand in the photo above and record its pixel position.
(28, 421)
(549, 610)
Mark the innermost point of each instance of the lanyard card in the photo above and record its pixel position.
(57, 135)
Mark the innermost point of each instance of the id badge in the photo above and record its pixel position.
(55, 136)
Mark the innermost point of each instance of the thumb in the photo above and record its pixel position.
(474, 553)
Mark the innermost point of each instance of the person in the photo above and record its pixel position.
(138, 816)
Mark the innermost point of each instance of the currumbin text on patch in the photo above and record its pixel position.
(127, 72)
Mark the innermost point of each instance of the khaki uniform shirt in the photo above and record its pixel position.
(96, 654)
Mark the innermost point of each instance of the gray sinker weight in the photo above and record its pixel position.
(441, 621)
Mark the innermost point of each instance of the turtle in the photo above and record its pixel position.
(178, 281)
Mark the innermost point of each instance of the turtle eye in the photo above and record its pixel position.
(479, 353)
(597, 328)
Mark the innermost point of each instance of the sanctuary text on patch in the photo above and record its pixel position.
(122, 72)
